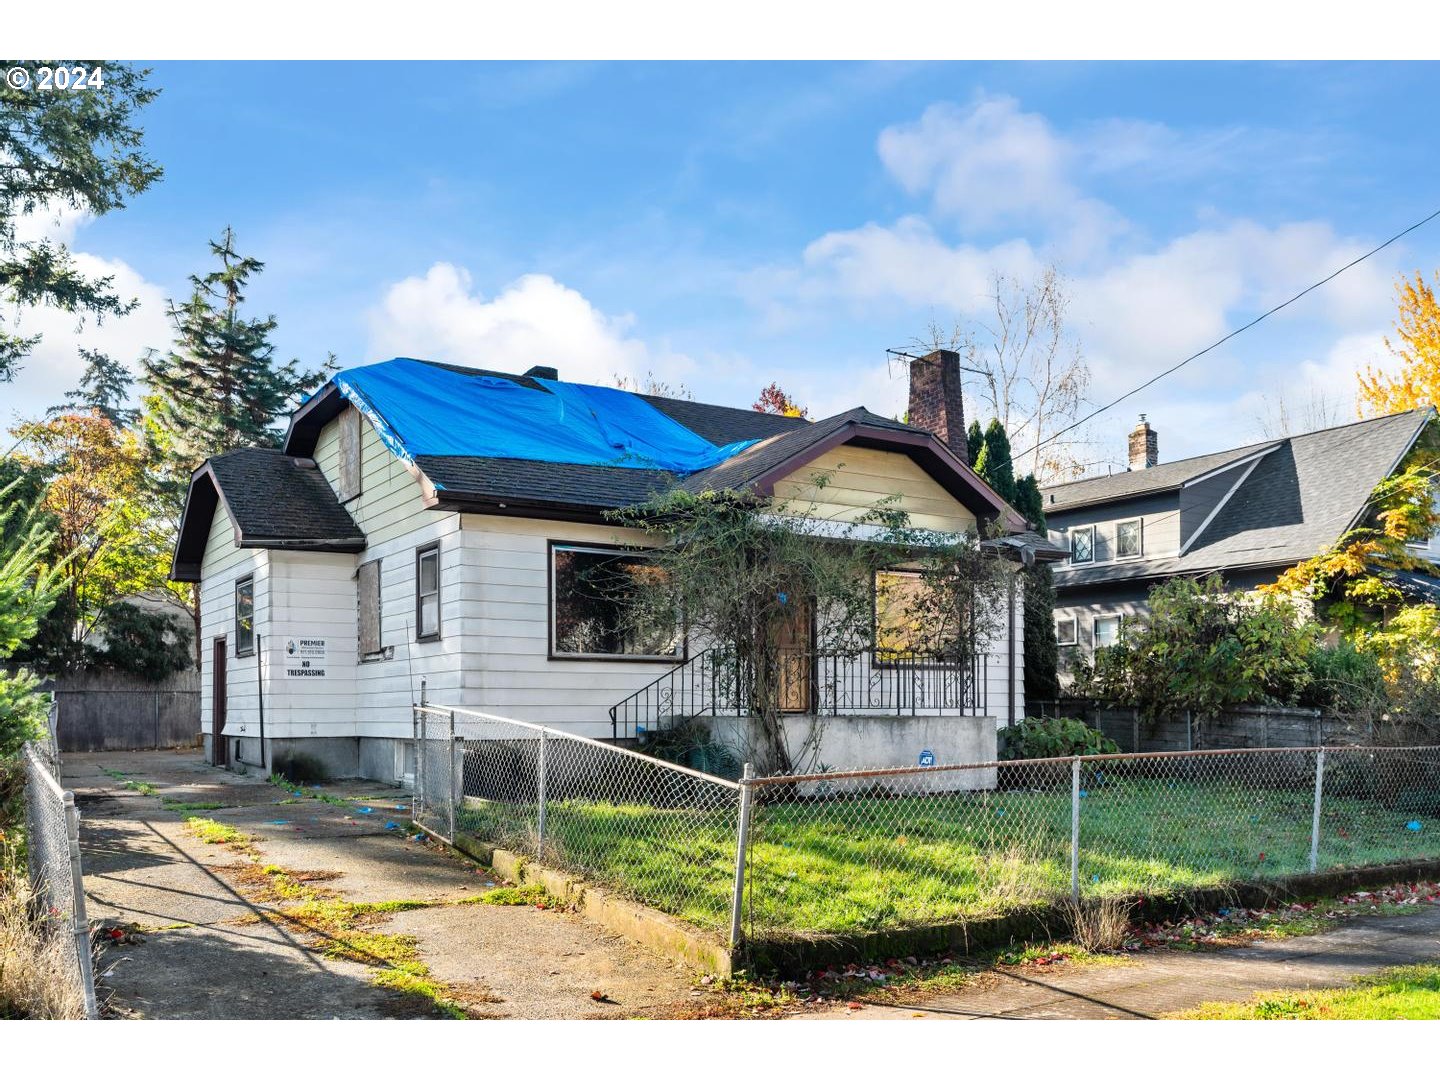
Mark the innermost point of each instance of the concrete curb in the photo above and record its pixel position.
(637, 922)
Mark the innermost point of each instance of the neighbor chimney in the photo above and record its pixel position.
(1144, 446)
(935, 402)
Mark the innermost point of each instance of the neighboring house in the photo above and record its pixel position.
(424, 521)
(1248, 514)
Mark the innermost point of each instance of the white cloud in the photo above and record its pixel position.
(54, 366)
(532, 320)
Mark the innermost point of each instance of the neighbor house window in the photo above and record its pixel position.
(1128, 538)
(910, 623)
(368, 582)
(427, 593)
(598, 606)
(1066, 631)
(245, 616)
(1082, 544)
(1107, 631)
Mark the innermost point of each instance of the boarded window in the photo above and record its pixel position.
(245, 616)
(427, 593)
(349, 485)
(368, 578)
(597, 608)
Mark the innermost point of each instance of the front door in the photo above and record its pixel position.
(218, 697)
(796, 656)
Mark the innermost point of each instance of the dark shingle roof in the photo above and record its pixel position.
(1301, 497)
(1127, 485)
(721, 424)
(604, 487)
(277, 498)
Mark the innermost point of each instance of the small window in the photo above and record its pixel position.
(245, 617)
(1107, 631)
(594, 609)
(427, 593)
(1082, 544)
(349, 478)
(368, 582)
(1066, 631)
(1128, 539)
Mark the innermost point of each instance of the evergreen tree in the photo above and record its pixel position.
(974, 440)
(1029, 502)
(104, 388)
(78, 149)
(219, 387)
(994, 464)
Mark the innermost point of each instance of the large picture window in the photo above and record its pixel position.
(427, 593)
(593, 605)
(245, 616)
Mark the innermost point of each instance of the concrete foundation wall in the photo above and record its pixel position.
(844, 743)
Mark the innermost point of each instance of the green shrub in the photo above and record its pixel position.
(1052, 736)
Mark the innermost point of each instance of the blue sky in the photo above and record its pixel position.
(728, 225)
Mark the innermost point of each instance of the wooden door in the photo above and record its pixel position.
(218, 698)
(796, 658)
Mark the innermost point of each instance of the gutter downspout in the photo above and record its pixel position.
(260, 694)
(1010, 657)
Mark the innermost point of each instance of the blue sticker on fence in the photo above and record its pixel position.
(927, 757)
(1413, 826)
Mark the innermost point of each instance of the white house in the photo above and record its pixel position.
(428, 522)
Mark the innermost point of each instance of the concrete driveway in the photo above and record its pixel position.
(206, 948)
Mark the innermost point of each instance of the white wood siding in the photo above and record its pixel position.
(225, 563)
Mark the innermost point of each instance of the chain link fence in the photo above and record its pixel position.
(850, 852)
(660, 833)
(52, 845)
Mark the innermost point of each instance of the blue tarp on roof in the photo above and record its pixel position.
(421, 410)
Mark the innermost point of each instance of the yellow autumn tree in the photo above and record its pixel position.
(1417, 346)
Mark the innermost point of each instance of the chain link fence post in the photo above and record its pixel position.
(453, 784)
(742, 845)
(1075, 829)
(81, 923)
(540, 778)
(1315, 817)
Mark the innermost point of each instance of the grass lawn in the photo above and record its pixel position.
(1404, 993)
(842, 865)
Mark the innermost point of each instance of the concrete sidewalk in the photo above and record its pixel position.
(1153, 984)
(142, 867)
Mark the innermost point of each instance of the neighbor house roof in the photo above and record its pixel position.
(1170, 476)
(1301, 495)
(274, 500)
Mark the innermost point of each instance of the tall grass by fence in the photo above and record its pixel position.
(52, 845)
(835, 853)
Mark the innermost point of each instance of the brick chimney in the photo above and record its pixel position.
(935, 402)
(1144, 446)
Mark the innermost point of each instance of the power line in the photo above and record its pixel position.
(1209, 348)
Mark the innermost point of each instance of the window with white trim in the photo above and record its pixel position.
(427, 593)
(1107, 631)
(1082, 544)
(1066, 630)
(1129, 539)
